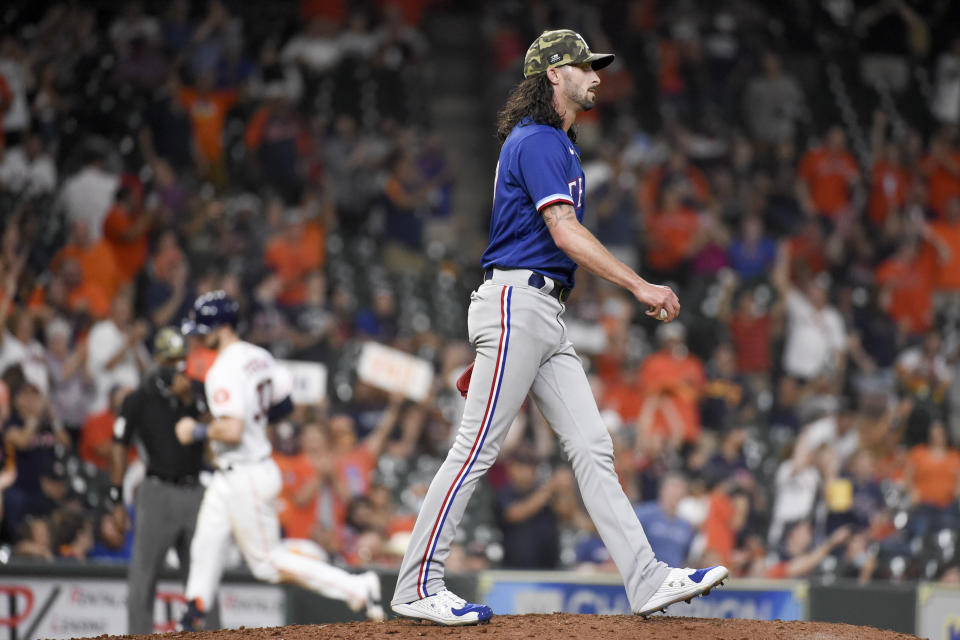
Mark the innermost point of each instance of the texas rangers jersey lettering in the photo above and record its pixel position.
(244, 382)
(538, 166)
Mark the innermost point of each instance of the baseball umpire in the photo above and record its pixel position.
(168, 499)
(515, 321)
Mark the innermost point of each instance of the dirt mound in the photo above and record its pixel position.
(561, 626)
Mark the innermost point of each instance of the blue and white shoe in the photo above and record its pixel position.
(446, 608)
(683, 585)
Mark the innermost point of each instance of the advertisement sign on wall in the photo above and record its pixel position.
(516, 592)
(79, 607)
(938, 611)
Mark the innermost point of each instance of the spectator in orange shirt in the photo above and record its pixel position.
(889, 180)
(889, 177)
(942, 170)
(677, 171)
(96, 436)
(297, 503)
(67, 293)
(330, 503)
(933, 470)
(208, 109)
(671, 381)
(621, 395)
(293, 254)
(933, 481)
(356, 461)
(726, 517)
(672, 235)
(944, 236)
(909, 278)
(96, 260)
(807, 249)
(828, 176)
(125, 230)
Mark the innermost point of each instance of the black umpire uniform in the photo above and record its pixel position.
(168, 499)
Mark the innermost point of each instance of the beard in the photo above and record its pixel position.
(584, 99)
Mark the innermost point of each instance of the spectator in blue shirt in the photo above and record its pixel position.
(668, 534)
(752, 253)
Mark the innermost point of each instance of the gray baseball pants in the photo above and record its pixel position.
(522, 347)
(166, 517)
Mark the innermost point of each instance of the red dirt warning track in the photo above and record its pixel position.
(557, 626)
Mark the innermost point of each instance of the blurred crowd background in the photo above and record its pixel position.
(792, 171)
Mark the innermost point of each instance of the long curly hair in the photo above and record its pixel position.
(531, 98)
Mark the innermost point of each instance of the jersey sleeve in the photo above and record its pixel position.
(125, 424)
(225, 393)
(543, 161)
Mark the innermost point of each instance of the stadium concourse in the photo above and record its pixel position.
(329, 164)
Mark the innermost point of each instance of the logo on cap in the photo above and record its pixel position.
(561, 47)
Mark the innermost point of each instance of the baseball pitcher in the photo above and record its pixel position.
(515, 321)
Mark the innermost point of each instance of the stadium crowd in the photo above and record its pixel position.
(801, 417)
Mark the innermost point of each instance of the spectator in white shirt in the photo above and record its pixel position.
(41, 170)
(317, 49)
(797, 486)
(117, 354)
(19, 346)
(132, 24)
(88, 194)
(837, 431)
(27, 170)
(13, 169)
(946, 95)
(923, 370)
(816, 338)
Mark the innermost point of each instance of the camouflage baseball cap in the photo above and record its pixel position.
(559, 47)
(169, 344)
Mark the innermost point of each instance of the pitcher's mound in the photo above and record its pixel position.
(561, 626)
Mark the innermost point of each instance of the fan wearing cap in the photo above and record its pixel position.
(169, 497)
(515, 322)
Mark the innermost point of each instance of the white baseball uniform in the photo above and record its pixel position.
(244, 382)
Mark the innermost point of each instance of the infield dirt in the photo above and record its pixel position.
(558, 626)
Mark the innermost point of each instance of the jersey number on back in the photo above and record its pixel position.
(264, 400)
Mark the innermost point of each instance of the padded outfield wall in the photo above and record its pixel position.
(68, 601)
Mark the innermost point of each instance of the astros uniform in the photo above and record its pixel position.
(515, 322)
(244, 382)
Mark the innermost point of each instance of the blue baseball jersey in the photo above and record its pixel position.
(538, 166)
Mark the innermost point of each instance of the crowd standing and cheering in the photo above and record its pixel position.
(793, 173)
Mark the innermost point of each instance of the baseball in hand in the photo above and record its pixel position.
(663, 314)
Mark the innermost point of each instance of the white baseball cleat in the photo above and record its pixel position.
(683, 584)
(374, 608)
(446, 608)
